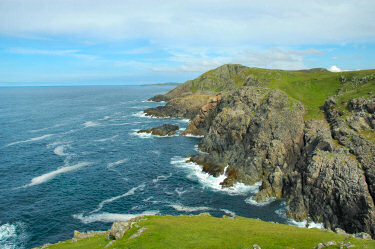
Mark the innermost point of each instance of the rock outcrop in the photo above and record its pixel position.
(260, 135)
(182, 107)
(163, 130)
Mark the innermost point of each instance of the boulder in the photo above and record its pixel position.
(163, 130)
(118, 230)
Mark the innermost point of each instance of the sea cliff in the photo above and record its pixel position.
(307, 135)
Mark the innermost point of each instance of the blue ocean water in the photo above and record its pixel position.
(70, 159)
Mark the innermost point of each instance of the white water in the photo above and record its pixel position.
(48, 176)
(106, 139)
(130, 192)
(90, 124)
(12, 236)
(260, 204)
(110, 217)
(59, 150)
(304, 223)
(110, 165)
(206, 180)
(161, 178)
(230, 213)
(182, 208)
(31, 139)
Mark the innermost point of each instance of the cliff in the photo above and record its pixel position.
(307, 135)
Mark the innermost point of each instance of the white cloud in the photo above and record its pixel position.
(275, 58)
(335, 69)
(193, 22)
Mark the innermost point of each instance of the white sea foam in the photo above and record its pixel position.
(59, 150)
(231, 213)
(161, 178)
(184, 120)
(110, 165)
(130, 192)
(195, 173)
(48, 176)
(90, 124)
(119, 124)
(46, 128)
(32, 139)
(140, 114)
(259, 204)
(140, 135)
(106, 139)
(182, 208)
(110, 217)
(282, 213)
(105, 118)
(180, 191)
(191, 135)
(198, 150)
(12, 236)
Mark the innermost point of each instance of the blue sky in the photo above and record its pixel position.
(66, 42)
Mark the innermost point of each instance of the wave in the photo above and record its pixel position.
(31, 139)
(161, 178)
(206, 180)
(184, 120)
(260, 204)
(105, 118)
(13, 236)
(130, 192)
(182, 208)
(180, 191)
(90, 124)
(46, 128)
(150, 101)
(282, 213)
(230, 213)
(142, 114)
(110, 165)
(106, 139)
(140, 135)
(110, 217)
(191, 135)
(59, 150)
(198, 150)
(48, 176)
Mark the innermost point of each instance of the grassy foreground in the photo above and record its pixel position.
(208, 232)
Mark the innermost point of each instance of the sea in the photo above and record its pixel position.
(71, 159)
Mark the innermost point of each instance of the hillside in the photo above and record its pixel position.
(307, 135)
(310, 87)
(208, 232)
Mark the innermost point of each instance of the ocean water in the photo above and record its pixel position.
(70, 159)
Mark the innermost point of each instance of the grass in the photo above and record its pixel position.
(311, 88)
(209, 232)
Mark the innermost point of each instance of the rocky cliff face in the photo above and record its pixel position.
(324, 170)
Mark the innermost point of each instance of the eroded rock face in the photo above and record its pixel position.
(324, 170)
(182, 107)
(118, 230)
(163, 130)
(257, 132)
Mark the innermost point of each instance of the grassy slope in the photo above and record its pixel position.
(311, 88)
(209, 232)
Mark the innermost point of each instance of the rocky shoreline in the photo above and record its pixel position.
(323, 168)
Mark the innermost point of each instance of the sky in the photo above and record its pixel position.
(123, 42)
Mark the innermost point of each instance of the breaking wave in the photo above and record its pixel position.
(182, 208)
(31, 139)
(48, 176)
(110, 217)
(13, 236)
(206, 180)
(130, 192)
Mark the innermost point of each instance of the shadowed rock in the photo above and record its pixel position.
(163, 130)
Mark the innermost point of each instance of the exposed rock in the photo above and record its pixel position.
(198, 125)
(182, 107)
(163, 130)
(138, 233)
(159, 98)
(340, 231)
(81, 235)
(118, 230)
(255, 246)
(363, 235)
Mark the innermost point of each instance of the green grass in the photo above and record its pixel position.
(311, 88)
(209, 232)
